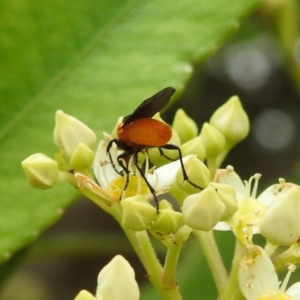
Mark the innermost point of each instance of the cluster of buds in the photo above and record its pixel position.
(224, 203)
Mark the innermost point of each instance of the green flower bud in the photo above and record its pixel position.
(157, 159)
(178, 193)
(197, 172)
(184, 126)
(204, 210)
(138, 213)
(82, 157)
(117, 281)
(194, 146)
(167, 220)
(41, 171)
(69, 131)
(231, 120)
(227, 195)
(280, 225)
(85, 295)
(213, 140)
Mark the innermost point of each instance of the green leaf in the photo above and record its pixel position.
(95, 60)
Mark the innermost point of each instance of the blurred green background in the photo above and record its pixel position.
(98, 60)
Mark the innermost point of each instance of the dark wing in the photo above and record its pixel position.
(149, 107)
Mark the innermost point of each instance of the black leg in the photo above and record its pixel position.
(152, 190)
(161, 152)
(185, 176)
(111, 142)
(128, 153)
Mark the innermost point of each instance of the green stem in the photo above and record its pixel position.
(169, 275)
(170, 265)
(215, 162)
(232, 289)
(213, 257)
(143, 248)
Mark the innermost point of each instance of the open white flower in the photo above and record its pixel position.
(250, 210)
(112, 180)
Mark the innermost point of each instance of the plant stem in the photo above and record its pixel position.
(174, 249)
(143, 248)
(232, 289)
(168, 279)
(213, 257)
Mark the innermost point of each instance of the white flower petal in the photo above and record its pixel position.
(268, 196)
(257, 274)
(103, 168)
(230, 177)
(294, 291)
(222, 226)
(165, 176)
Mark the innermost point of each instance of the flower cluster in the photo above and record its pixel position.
(224, 202)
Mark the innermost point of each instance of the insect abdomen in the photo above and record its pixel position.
(149, 132)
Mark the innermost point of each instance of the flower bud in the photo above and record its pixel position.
(203, 211)
(117, 281)
(157, 159)
(69, 131)
(197, 172)
(231, 120)
(41, 171)
(82, 157)
(194, 146)
(280, 224)
(85, 295)
(213, 140)
(167, 220)
(227, 195)
(138, 213)
(184, 126)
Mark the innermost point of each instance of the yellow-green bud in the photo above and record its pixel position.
(167, 220)
(69, 131)
(117, 281)
(82, 157)
(280, 224)
(213, 140)
(178, 193)
(194, 146)
(227, 195)
(160, 160)
(85, 295)
(138, 213)
(231, 120)
(203, 211)
(184, 126)
(41, 171)
(197, 172)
